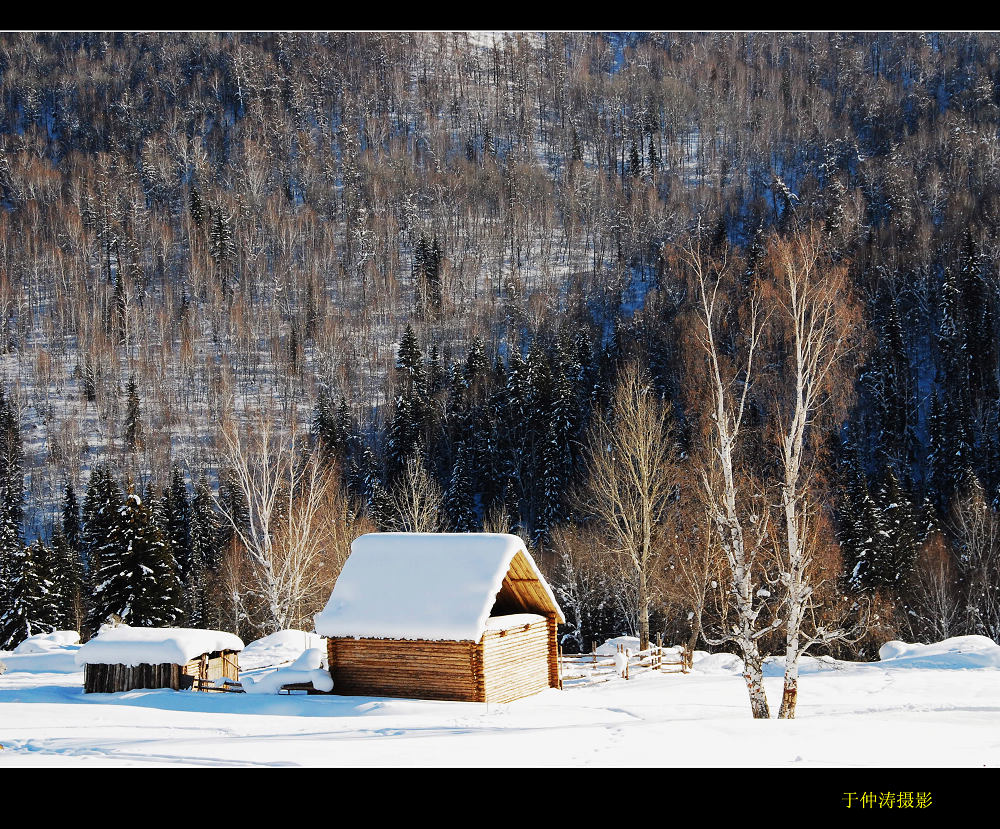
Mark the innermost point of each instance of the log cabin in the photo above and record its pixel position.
(450, 616)
(126, 658)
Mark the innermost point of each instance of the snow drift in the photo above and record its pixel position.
(46, 642)
(308, 668)
(957, 653)
(278, 648)
(610, 646)
(45, 653)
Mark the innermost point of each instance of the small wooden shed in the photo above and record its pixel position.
(125, 658)
(456, 616)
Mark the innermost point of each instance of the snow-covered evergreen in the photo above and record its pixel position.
(137, 579)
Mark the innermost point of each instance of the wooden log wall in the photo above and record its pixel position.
(419, 668)
(517, 662)
(505, 666)
(111, 679)
(552, 627)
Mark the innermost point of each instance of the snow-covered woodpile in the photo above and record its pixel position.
(125, 658)
(459, 616)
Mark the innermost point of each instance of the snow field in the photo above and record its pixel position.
(934, 712)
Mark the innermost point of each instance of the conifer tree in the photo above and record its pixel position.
(196, 206)
(402, 436)
(100, 510)
(206, 557)
(860, 527)
(634, 161)
(458, 502)
(436, 375)
(949, 452)
(434, 260)
(132, 431)
(138, 578)
(29, 608)
(953, 368)
(67, 578)
(410, 363)
(901, 534)
(538, 404)
(980, 326)
(894, 401)
(233, 504)
(332, 428)
(177, 532)
(556, 458)
(476, 369)
(11, 499)
(366, 483)
(72, 529)
(419, 269)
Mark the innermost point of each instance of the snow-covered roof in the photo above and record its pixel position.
(124, 645)
(427, 586)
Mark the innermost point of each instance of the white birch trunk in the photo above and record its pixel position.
(727, 417)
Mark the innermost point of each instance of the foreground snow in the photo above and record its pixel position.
(922, 706)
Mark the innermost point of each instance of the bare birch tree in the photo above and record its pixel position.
(976, 529)
(284, 499)
(935, 594)
(818, 322)
(417, 499)
(580, 581)
(697, 567)
(632, 474)
(741, 530)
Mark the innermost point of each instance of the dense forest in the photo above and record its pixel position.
(651, 301)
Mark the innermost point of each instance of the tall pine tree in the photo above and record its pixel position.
(30, 608)
(138, 578)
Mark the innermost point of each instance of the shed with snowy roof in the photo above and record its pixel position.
(124, 658)
(457, 616)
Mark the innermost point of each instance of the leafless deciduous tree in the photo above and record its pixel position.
(417, 500)
(632, 474)
(696, 567)
(934, 591)
(818, 323)
(742, 529)
(286, 507)
(977, 531)
(580, 581)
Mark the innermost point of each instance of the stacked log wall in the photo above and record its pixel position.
(111, 679)
(418, 668)
(516, 662)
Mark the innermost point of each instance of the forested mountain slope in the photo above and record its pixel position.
(435, 253)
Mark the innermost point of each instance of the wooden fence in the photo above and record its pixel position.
(223, 686)
(593, 667)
